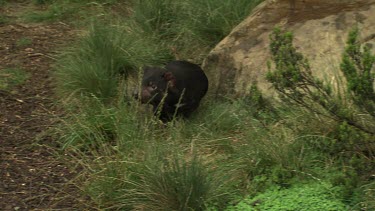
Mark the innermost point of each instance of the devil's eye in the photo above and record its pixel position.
(152, 85)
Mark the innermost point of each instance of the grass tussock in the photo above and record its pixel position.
(108, 54)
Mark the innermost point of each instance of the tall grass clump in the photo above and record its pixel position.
(97, 125)
(108, 53)
(210, 21)
(191, 25)
(178, 184)
(156, 17)
(160, 177)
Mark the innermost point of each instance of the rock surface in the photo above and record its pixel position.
(320, 29)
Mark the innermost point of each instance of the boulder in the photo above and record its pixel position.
(320, 29)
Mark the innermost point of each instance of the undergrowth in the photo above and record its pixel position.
(230, 148)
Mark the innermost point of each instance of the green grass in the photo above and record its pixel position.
(72, 11)
(55, 12)
(192, 26)
(23, 42)
(9, 78)
(43, 1)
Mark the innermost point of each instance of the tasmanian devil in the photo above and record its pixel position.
(175, 89)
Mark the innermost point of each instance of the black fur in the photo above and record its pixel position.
(182, 85)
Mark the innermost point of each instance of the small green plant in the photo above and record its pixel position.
(364, 197)
(10, 78)
(258, 104)
(3, 2)
(55, 11)
(3, 19)
(23, 42)
(38, 2)
(309, 197)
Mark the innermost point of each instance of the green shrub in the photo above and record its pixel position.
(348, 117)
(358, 68)
(293, 79)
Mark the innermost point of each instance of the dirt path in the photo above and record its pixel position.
(31, 176)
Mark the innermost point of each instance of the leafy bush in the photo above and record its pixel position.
(350, 140)
(357, 66)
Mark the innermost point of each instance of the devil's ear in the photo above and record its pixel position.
(170, 79)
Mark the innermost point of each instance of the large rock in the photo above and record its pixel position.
(320, 29)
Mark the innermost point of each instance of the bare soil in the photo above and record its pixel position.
(34, 174)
